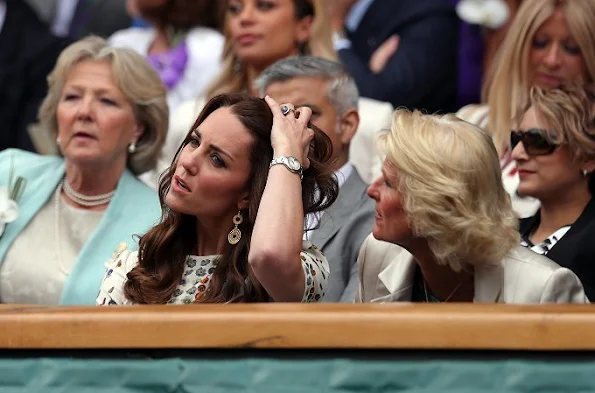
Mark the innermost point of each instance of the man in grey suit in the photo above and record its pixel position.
(331, 93)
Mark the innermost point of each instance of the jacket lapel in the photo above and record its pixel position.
(82, 284)
(567, 247)
(36, 193)
(397, 278)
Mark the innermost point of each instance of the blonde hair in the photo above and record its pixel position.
(234, 78)
(450, 180)
(507, 87)
(137, 80)
(569, 113)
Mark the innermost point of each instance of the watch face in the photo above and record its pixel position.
(294, 164)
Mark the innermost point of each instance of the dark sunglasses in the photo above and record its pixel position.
(534, 141)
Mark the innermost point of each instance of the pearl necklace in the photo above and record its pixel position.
(84, 200)
(63, 186)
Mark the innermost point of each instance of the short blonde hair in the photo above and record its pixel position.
(507, 87)
(137, 80)
(234, 78)
(569, 113)
(449, 177)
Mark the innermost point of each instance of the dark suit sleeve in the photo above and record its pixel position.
(425, 59)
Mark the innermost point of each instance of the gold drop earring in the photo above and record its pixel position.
(235, 234)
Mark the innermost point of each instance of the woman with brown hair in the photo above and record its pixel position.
(259, 33)
(183, 43)
(233, 203)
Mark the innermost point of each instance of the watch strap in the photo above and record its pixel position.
(284, 160)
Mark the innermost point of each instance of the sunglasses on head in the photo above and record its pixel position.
(534, 142)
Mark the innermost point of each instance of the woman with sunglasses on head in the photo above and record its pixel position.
(554, 151)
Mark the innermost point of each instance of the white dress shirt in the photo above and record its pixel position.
(352, 21)
(65, 10)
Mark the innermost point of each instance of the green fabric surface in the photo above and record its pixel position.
(292, 376)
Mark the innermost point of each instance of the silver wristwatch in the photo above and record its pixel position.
(290, 163)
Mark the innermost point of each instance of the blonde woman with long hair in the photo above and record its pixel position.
(444, 228)
(549, 43)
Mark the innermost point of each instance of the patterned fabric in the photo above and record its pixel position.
(545, 246)
(198, 273)
(170, 65)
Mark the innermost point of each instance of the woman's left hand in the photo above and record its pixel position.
(290, 135)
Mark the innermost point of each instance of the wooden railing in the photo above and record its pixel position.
(390, 326)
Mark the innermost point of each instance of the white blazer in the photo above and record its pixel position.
(386, 273)
(375, 118)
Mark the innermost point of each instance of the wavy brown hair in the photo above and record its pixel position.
(164, 249)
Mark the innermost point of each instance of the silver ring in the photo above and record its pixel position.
(285, 110)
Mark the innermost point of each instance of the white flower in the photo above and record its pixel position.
(489, 13)
(9, 210)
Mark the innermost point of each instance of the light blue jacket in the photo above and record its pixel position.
(133, 210)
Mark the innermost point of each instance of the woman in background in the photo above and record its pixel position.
(549, 43)
(183, 43)
(554, 153)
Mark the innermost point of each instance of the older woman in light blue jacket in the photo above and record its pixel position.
(107, 109)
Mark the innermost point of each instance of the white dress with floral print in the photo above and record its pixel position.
(197, 277)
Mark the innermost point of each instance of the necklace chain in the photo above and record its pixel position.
(449, 296)
(84, 200)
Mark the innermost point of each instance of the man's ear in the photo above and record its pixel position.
(349, 123)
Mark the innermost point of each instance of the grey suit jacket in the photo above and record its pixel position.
(343, 228)
(386, 273)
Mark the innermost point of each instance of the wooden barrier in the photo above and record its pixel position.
(299, 326)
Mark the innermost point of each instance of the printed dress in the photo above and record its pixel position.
(198, 271)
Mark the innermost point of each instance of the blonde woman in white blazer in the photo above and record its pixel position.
(444, 229)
